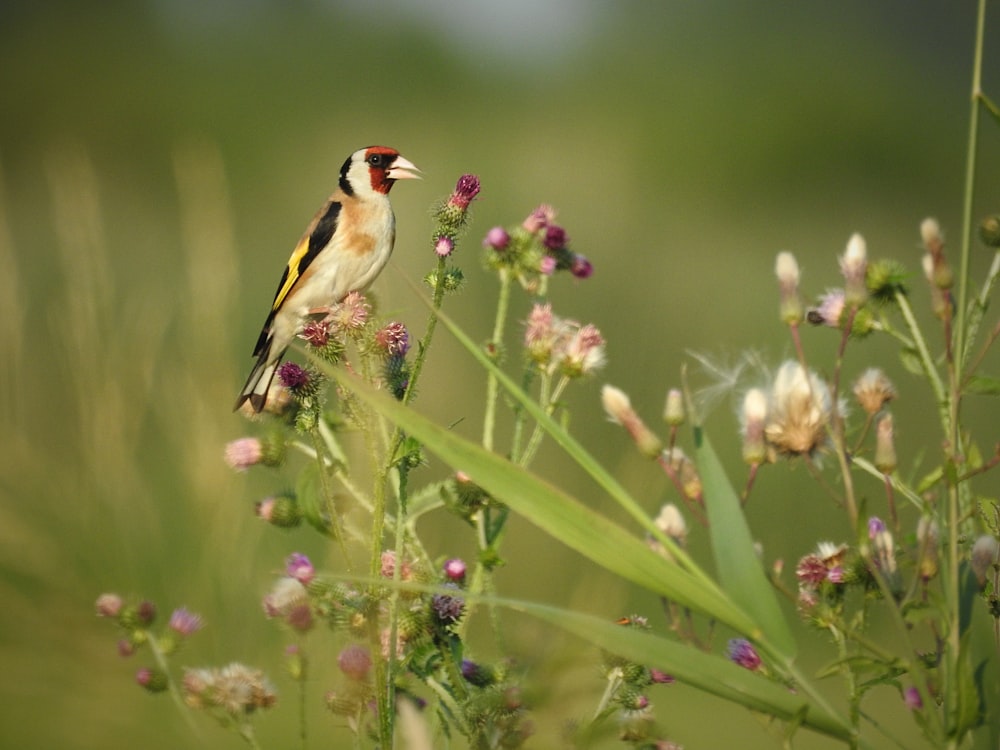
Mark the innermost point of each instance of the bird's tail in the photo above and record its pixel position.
(257, 385)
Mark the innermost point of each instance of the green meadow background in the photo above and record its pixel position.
(158, 160)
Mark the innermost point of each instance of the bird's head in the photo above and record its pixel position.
(377, 167)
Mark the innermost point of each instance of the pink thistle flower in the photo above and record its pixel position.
(912, 699)
(540, 218)
(584, 352)
(547, 265)
(829, 310)
(184, 622)
(811, 570)
(393, 339)
(352, 313)
(355, 662)
(660, 678)
(497, 239)
(299, 567)
(444, 246)
(109, 605)
(316, 333)
(243, 453)
(454, 570)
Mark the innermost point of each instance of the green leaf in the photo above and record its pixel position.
(965, 706)
(740, 570)
(711, 673)
(561, 516)
(983, 385)
(309, 494)
(910, 358)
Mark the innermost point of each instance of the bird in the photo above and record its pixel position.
(343, 250)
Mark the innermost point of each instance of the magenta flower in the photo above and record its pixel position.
(581, 268)
(393, 338)
(444, 246)
(454, 570)
(912, 699)
(555, 237)
(300, 568)
(540, 218)
(292, 375)
(466, 190)
(742, 652)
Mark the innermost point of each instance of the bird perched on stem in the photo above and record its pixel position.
(343, 249)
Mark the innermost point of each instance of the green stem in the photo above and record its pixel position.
(924, 355)
(492, 386)
(328, 501)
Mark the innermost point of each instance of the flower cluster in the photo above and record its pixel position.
(534, 250)
(135, 622)
(556, 344)
(236, 690)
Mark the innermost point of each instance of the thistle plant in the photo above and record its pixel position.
(916, 551)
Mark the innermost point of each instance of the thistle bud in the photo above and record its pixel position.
(989, 230)
(786, 268)
(927, 547)
(619, 409)
(754, 417)
(673, 411)
(885, 448)
(854, 264)
(280, 510)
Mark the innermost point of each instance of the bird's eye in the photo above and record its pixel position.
(375, 160)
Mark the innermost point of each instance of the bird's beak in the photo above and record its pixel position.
(402, 169)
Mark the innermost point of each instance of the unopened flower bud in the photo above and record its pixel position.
(989, 230)
(930, 235)
(245, 452)
(280, 510)
(927, 547)
(580, 267)
(152, 679)
(742, 652)
(673, 411)
(619, 409)
(754, 418)
(940, 297)
(786, 268)
(885, 447)
(454, 570)
(854, 264)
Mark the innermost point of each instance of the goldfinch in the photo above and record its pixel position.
(343, 249)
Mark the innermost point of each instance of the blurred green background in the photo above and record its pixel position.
(158, 159)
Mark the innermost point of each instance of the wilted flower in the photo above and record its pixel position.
(673, 410)
(829, 309)
(985, 557)
(927, 547)
(289, 601)
(799, 410)
(873, 390)
(884, 546)
(448, 608)
(236, 689)
(672, 523)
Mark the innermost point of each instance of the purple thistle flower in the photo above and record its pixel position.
(292, 375)
(447, 608)
(875, 527)
(912, 699)
(659, 677)
(581, 268)
(555, 237)
(742, 652)
(355, 662)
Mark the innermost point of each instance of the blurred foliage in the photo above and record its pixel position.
(158, 159)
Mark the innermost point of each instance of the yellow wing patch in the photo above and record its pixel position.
(292, 273)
